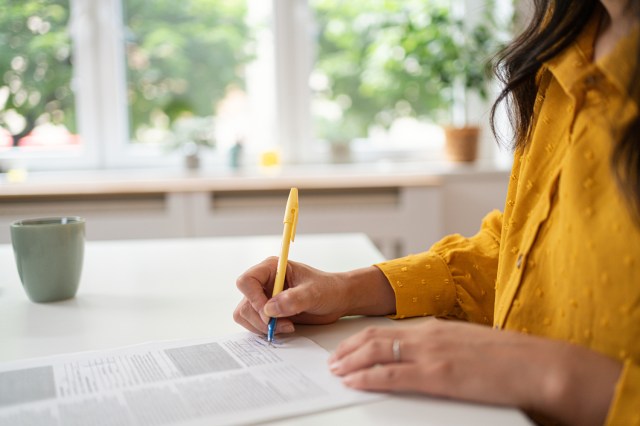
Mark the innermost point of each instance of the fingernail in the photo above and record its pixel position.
(265, 318)
(272, 308)
(348, 380)
(287, 328)
(335, 366)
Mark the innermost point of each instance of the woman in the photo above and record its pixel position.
(557, 276)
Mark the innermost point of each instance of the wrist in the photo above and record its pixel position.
(368, 292)
(578, 386)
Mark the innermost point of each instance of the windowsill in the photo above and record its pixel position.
(350, 175)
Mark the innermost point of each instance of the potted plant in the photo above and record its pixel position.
(414, 58)
(339, 132)
(452, 56)
(190, 134)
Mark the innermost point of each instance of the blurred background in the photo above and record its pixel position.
(135, 83)
(105, 105)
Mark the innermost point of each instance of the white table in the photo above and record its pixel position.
(139, 291)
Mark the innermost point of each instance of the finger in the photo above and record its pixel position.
(248, 326)
(390, 377)
(262, 274)
(374, 352)
(438, 379)
(257, 283)
(246, 316)
(294, 301)
(284, 326)
(356, 341)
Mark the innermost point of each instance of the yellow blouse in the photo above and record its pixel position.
(563, 261)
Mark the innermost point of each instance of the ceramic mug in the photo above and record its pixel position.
(49, 253)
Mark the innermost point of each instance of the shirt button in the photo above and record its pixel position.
(519, 261)
(590, 80)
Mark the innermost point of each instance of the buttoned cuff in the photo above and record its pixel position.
(422, 285)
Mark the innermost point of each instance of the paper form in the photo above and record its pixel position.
(231, 380)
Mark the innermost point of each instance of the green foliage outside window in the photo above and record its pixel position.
(182, 57)
(35, 66)
(387, 59)
(381, 59)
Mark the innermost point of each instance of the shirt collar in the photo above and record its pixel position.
(569, 66)
(576, 61)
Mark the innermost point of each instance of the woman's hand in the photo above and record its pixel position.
(458, 360)
(311, 296)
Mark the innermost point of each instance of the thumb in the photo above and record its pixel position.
(290, 302)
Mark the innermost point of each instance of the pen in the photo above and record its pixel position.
(288, 234)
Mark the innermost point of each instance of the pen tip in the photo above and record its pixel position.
(271, 328)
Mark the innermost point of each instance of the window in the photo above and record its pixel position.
(384, 71)
(186, 68)
(174, 88)
(127, 83)
(37, 102)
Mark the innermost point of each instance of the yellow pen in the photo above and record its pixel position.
(288, 234)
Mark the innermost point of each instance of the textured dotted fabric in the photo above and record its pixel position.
(563, 261)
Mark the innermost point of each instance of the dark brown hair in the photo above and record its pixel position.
(556, 24)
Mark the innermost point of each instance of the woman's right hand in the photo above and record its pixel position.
(311, 296)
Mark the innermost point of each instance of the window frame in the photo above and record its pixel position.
(99, 82)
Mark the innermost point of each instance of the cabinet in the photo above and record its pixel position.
(403, 208)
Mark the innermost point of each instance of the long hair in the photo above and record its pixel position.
(554, 26)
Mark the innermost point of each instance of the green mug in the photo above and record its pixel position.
(49, 254)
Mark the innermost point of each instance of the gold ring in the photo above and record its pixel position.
(395, 348)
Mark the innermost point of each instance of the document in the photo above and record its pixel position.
(236, 379)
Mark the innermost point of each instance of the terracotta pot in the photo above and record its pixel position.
(340, 153)
(191, 153)
(461, 143)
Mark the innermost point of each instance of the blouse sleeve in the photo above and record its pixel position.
(455, 278)
(626, 400)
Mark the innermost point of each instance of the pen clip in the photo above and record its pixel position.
(295, 222)
(291, 214)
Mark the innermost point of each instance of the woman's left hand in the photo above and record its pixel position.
(464, 361)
